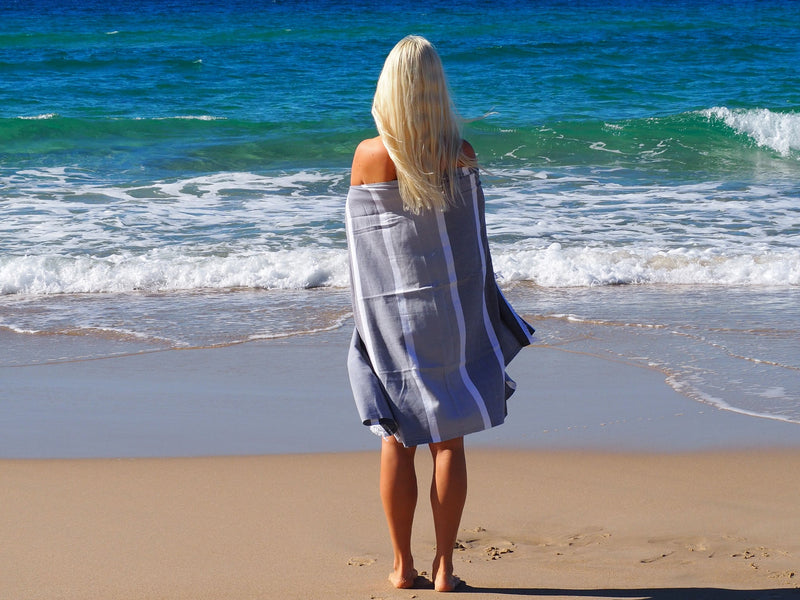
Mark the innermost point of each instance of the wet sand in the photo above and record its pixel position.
(292, 395)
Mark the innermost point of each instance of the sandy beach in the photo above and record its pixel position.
(537, 524)
(591, 489)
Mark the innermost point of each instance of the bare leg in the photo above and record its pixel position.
(448, 496)
(399, 496)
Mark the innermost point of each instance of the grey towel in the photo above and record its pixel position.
(433, 331)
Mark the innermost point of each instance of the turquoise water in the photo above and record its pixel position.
(165, 158)
(288, 84)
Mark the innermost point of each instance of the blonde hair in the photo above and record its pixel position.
(416, 120)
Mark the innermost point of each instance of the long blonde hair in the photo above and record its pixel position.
(416, 120)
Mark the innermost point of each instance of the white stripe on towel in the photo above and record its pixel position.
(459, 312)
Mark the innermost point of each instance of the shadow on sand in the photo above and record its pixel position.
(643, 594)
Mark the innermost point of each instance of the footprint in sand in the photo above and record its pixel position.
(748, 553)
(690, 544)
(470, 538)
(476, 542)
(361, 561)
(497, 551)
(586, 538)
(786, 576)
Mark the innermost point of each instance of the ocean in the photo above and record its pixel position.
(173, 174)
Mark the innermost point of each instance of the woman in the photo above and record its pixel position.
(433, 332)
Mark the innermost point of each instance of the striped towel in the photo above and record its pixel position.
(433, 332)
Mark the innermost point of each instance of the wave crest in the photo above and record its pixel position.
(778, 131)
(599, 266)
(166, 270)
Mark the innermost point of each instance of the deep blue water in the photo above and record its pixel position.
(293, 80)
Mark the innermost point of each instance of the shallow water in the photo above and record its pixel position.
(734, 348)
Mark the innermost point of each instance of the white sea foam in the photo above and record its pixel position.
(598, 209)
(779, 131)
(183, 117)
(582, 266)
(691, 388)
(601, 146)
(63, 232)
(169, 270)
(16, 329)
(334, 324)
(41, 117)
(62, 211)
(774, 392)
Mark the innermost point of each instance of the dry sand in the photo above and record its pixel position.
(537, 525)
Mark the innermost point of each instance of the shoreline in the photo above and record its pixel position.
(292, 395)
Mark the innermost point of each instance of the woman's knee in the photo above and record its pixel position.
(455, 445)
(391, 448)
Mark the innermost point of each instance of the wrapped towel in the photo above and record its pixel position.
(433, 332)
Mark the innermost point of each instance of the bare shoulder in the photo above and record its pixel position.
(372, 163)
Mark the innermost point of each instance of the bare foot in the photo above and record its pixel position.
(442, 574)
(447, 583)
(403, 581)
